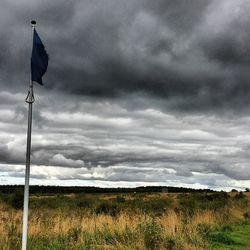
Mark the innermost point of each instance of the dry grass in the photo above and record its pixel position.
(127, 230)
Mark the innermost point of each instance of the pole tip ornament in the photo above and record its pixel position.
(33, 22)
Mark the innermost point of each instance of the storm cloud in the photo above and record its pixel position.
(136, 92)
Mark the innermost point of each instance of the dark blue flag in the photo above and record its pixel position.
(39, 59)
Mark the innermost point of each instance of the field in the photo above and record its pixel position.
(128, 221)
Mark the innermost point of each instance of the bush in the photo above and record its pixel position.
(51, 203)
(120, 199)
(107, 208)
(1, 196)
(153, 235)
(170, 244)
(16, 199)
(155, 206)
(83, 203)
(190, 203)
(246, 216)
(240, 195)
(187, 203)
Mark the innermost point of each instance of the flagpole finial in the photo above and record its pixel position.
(33, 22)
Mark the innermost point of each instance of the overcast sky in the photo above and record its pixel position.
(137, 92)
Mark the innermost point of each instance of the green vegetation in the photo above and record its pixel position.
(234, 237)
(127, 221)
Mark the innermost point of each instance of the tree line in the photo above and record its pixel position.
(36, 189)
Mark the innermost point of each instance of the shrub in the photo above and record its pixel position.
(155, 206)
(187, 203)
(1, 196)
(16, 199)
(120, 199)
(153, 235)
(190, 203)
(83, 203)
(239, 195)
(107, 208)
(246, 216)
(51, 203)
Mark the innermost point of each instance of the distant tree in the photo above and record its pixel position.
(240, 195)
(247, 190)
(234, 190)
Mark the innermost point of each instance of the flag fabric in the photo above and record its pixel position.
(39, 59)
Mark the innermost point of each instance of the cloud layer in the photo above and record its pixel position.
(137, 92)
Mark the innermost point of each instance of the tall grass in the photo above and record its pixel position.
(110, 222)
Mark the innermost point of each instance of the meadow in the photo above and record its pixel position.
(128, 221)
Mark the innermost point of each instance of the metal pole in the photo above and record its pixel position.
(29, 99)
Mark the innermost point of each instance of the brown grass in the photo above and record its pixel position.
(183, 230)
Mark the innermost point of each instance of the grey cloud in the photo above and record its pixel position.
(136, 91)
(163, 49)
(110, 135)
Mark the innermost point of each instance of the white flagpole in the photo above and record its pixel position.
(29, 99)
